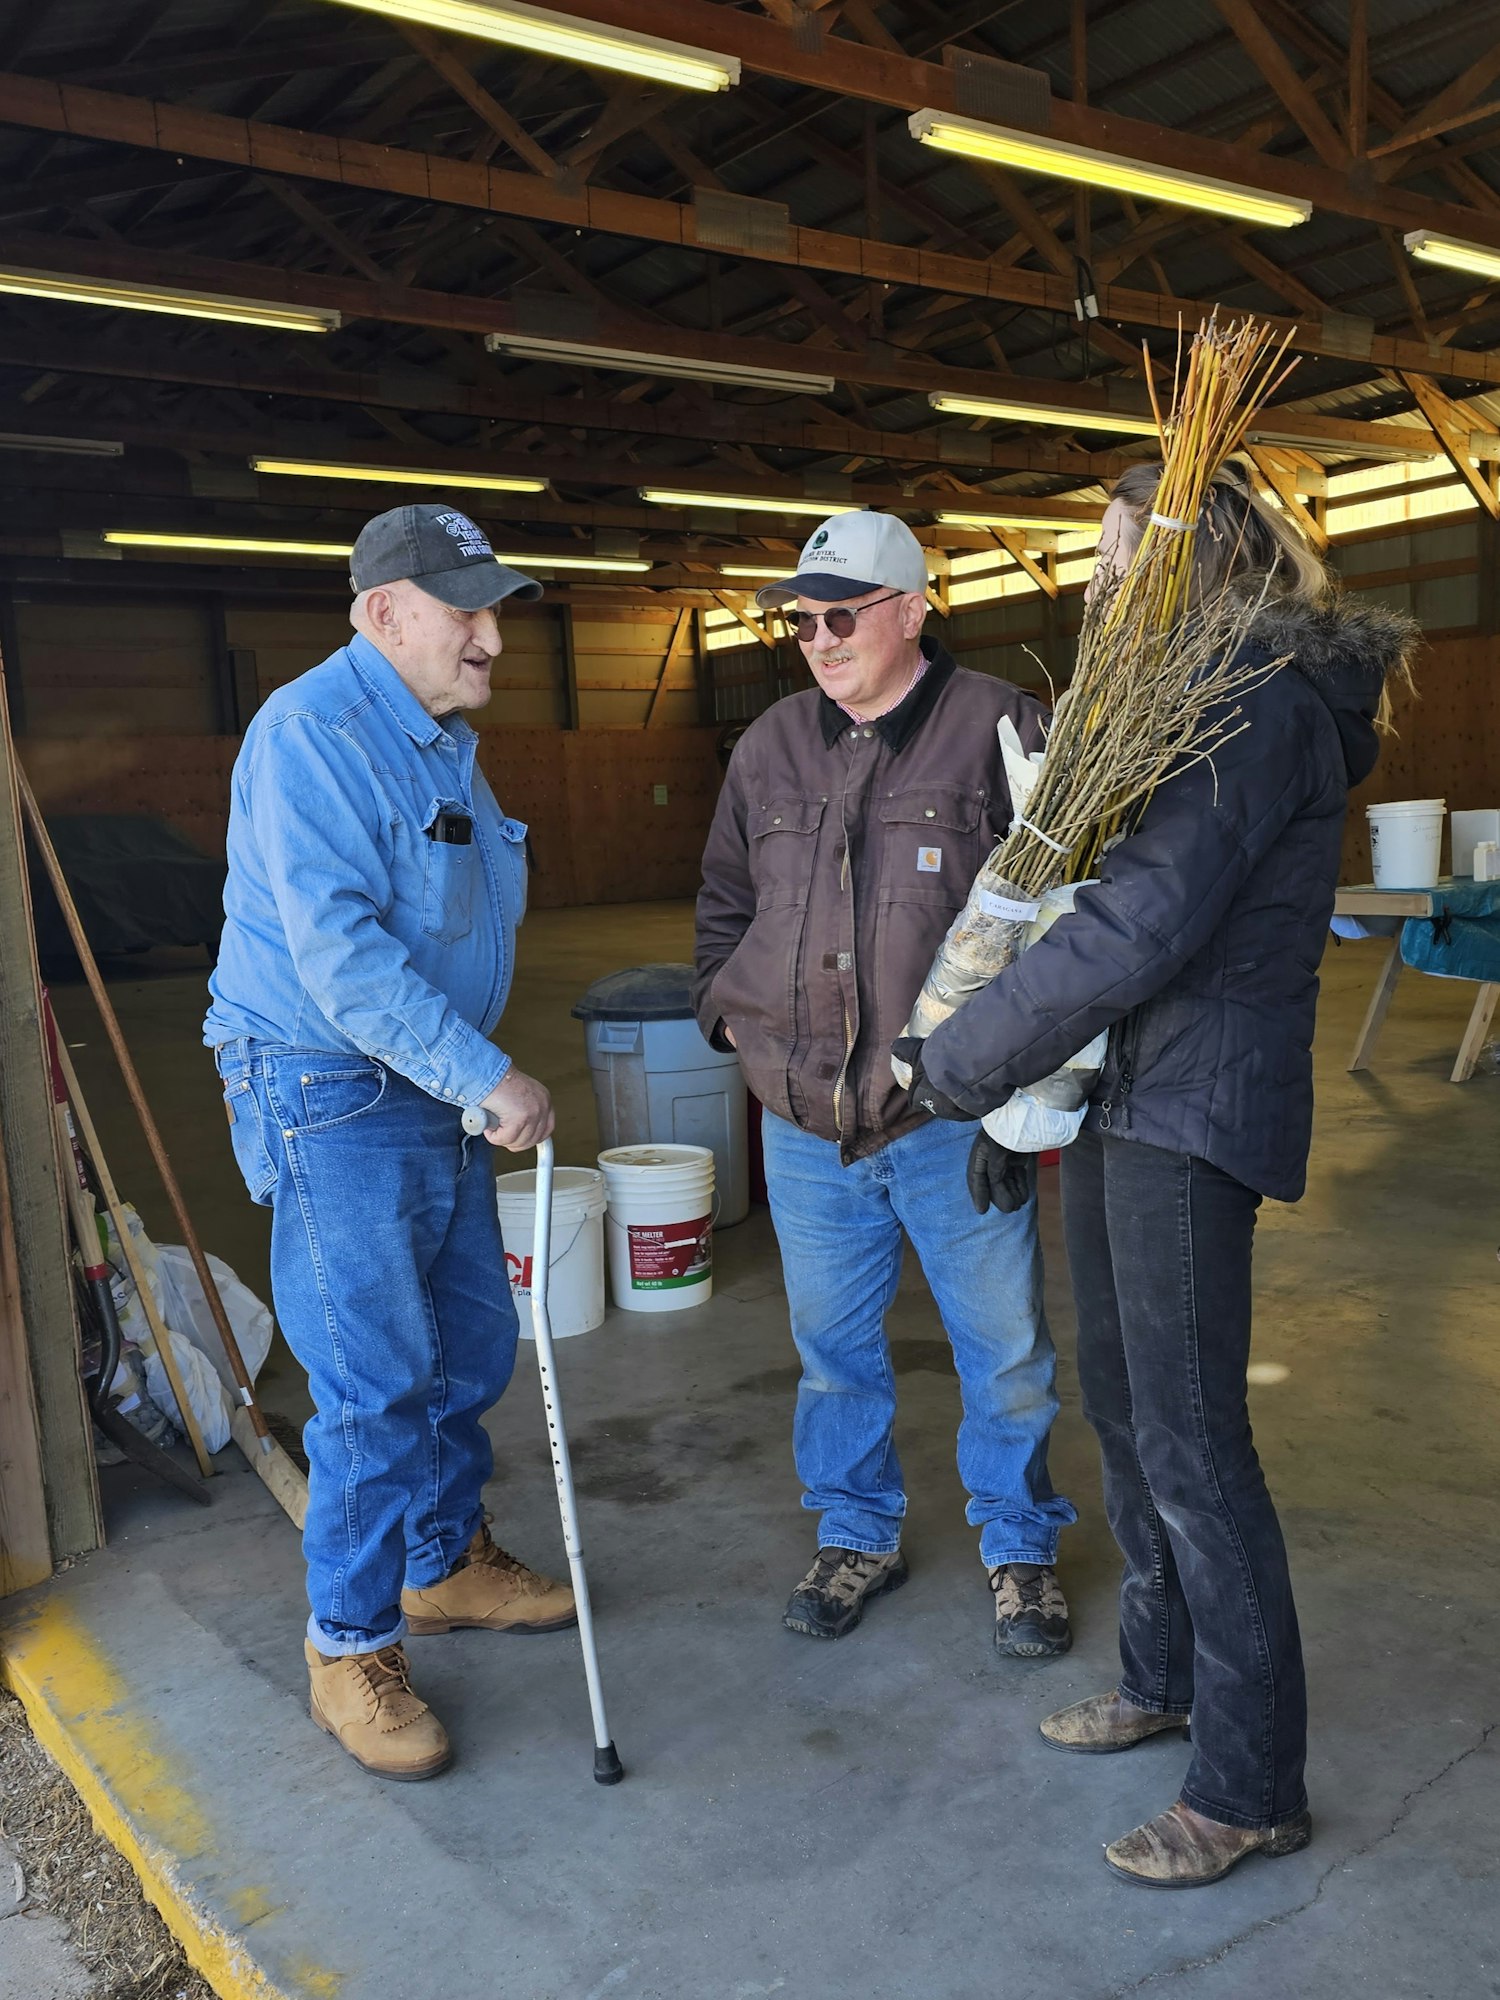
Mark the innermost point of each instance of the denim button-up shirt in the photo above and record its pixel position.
(346, 926)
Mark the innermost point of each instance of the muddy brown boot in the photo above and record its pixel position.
(1031, 1613)
(1106, 1722)
(830, 1600)
(1180, 1849)
(365, 1700)
(490, 1591)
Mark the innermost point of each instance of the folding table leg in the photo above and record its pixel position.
(1476, 1032)
(1379, 1007)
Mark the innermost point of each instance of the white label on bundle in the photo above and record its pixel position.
(1006, 907)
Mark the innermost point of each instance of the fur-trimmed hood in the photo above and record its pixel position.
(1345, 649)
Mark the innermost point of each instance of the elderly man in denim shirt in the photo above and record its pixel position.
(371, 909)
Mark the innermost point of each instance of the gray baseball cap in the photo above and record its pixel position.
(849, 556)
(441, 551)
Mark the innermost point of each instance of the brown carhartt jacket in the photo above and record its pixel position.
(839, 855)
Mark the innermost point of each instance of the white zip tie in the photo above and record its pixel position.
(1166, 521)
(1057, 846)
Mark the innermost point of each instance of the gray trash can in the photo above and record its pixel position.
(657, 1079)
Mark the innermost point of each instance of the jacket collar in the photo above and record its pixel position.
(381, 678)
(898, 725)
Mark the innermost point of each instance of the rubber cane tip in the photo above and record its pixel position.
(608, 1770)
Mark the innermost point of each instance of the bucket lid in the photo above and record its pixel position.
(657, 1156)
(568, 1183)
(640, 993)
(1406, 806)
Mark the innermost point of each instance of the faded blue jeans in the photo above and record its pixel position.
(390, 1287)
(840, 1230)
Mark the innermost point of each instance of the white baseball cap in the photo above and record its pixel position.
(849, 556)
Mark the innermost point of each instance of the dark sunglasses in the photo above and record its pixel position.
(840, 621)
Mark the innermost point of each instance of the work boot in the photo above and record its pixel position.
(1031, 1613)
(366, 1701)
(1180, 1849)
(490, 1590)
(830, 1600)
(1106, 1722)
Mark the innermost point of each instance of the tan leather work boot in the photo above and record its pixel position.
(366, 1701)
(1180, 1849)
(492, 1591)
(1107, 1722)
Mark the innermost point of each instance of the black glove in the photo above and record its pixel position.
(926, 1096)
(999, 1178)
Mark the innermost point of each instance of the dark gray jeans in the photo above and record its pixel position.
(1159, 1249)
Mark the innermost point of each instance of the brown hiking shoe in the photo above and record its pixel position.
(492, 1591)
(1031, 1613)
(1180, 1849)
(366, 1701)
(1106, 1722)
(830, 1600)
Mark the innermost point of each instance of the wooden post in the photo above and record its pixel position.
(43, 1273)
(570, 667)
(703, 669)
(1379, 1007)
(25, 1549)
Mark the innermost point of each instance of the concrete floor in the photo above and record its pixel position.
(877, 1818)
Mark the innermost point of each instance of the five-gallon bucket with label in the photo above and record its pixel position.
(575, 1281)
(660, 1225)
(1406, 843)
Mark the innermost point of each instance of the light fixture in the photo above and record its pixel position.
(777, 575)
(559, 35)
(133, 538)
(397, 475)
(529, 562)
(745, 503)
(164, 299)
(1030, 152)
(1430, 248)
(537, 347)
(71, 447)
(1040, 413)
(1044, 523)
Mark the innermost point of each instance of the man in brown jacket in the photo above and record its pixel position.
(853, 820)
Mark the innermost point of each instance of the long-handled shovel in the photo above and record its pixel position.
(608, 1769)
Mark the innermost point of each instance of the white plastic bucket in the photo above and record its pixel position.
(575, 1280)
(1406, 843)
(660, 1226)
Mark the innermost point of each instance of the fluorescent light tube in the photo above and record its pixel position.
(1043, 523)
(132, 538)
(1031, 152)
(666, 496)
(1041, 413)
(531, 562)
(536, 347)
(1430, 248)
(73, 447)
(754, 569)
(396, 475)
(163, 299)
(559, 35)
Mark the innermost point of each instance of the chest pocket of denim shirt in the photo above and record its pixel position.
(932, 843)
(783, 836)
(448, 892)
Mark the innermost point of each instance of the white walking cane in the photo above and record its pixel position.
(608, 1769)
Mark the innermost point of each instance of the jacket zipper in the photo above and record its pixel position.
(1125, 1048)
(839, 1080)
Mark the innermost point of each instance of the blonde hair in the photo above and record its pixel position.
(1242, 545)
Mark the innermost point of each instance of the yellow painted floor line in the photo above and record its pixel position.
(140, 1798)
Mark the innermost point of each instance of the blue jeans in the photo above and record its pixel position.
(1159, 1247)
(840, 1230)
(389, 1280)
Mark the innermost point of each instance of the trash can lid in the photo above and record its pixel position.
(639, 993)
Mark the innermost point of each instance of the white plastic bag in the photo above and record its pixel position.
(205, 1392)
(1050, 1112)
(185, 1307)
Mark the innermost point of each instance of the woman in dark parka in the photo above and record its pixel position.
(1199, 951)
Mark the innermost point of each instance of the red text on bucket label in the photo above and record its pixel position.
(666, 1256)
(519, 1271)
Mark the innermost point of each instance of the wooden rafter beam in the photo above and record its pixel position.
(680, 632)
(273, 149)
(1263, 49)
(1016, 545)
(1440, 113)
(461, 79)
(1284, 485)
(1452, 426)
